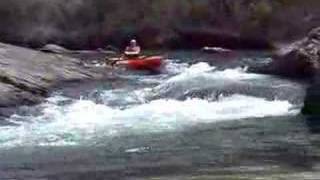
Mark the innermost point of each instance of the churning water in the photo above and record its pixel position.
(183, 96)
(196, 119)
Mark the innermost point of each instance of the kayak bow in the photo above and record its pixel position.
(151, 63)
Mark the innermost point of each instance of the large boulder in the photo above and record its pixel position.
(306, 58)
(312, 100)
(26, 75)
(300, 59)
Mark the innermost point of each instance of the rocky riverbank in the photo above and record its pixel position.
(79, 24)
(28, 75)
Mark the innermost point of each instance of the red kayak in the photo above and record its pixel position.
(151, 63)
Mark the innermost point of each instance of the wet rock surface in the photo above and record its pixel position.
(298, 60)
(302, 59)
(26, 76)
(312, 100)
(154, 23)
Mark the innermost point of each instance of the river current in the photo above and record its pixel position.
(202, 116)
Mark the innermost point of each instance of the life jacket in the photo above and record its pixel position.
(132, 52)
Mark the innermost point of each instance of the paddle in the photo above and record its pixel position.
(113, 61)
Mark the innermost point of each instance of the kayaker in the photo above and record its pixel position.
(133, 50)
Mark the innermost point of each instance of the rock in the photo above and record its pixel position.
(309, 49)
(312, 100)
(56, 49)
(300, 59)
(216, 50)
(26, 76)
(37, 23)
(53, 48)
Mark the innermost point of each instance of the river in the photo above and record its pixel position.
(203, 117)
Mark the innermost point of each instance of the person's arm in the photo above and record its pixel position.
(127, 50)
(133, 51)
(138, 49)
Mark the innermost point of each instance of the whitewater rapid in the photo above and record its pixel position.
(147, 109)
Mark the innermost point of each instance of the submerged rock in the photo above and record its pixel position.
(26, 75)
(216, 50)
(53, 48)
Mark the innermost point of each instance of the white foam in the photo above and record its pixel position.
(202, 76)
(237, 74)
(85, 121)
(209, 72)
(172, 67)
(122, 97)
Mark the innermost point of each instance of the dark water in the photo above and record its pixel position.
(203, 117)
